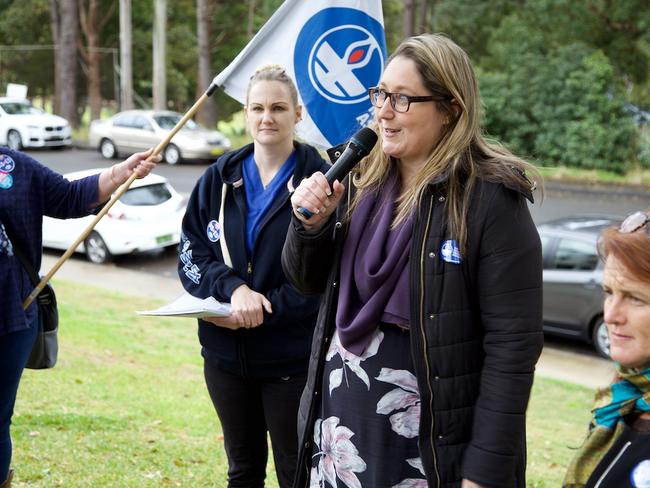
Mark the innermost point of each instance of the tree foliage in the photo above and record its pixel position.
(556, 75)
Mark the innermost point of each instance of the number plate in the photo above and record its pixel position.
(163, 239)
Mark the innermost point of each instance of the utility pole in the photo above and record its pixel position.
(159, 56)
(409, 18)
(208, 112)
(126, 78)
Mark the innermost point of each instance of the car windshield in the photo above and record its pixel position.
(17, 108)
(147, 195)
(168, 122)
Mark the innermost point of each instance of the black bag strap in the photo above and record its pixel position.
(31, 272)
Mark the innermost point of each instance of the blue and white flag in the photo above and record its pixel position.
(334, 49)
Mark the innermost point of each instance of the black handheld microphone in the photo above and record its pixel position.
(358, 148)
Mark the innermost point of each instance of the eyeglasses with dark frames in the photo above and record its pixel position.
(400, 102)
(634, 222)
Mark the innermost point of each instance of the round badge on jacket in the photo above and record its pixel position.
(6, 180)
(214, 231)
(7, 164)
(640, 476)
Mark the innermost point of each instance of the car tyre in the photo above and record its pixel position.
(96, 250)
(14, 141)
(172, 154)
(600, 338)
(107, 148)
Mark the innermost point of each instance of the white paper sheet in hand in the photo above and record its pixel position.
(188, 306)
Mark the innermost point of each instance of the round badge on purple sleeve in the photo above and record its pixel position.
(7, 164)
(6, 180)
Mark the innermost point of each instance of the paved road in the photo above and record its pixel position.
(558, 202)
(182, 176)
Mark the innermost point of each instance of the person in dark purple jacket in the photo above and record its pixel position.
(28, 191)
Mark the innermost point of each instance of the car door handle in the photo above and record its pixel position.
(591, 284)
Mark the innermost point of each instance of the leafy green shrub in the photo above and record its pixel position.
(559, 104)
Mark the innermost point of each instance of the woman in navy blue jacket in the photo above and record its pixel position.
(255, 360)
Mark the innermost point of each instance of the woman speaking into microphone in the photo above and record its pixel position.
(431, 322)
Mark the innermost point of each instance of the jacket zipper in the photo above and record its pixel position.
(424, 340)
(237, 195)
(611, 465)
(325, 344)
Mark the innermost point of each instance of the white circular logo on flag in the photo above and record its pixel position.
(337, 76)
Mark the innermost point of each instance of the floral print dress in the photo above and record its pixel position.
(366, 432)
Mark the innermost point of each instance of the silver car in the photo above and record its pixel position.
(573, 298)
(137, 130)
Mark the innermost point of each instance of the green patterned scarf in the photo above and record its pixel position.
(631, 393)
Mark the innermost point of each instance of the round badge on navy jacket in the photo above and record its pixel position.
(213, 231)
(640, 476)
(6, 180)
(7, 164)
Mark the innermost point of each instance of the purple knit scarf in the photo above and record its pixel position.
(374, 269)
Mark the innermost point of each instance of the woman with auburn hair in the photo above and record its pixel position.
(430, 327)
(616, 452)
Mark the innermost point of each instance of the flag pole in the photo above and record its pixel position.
(116, 196)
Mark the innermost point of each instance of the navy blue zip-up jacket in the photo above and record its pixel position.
(281, 345)
(28, 191)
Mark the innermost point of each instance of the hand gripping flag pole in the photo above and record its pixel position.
(116, 196)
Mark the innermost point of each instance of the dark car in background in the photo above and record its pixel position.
(573, 297)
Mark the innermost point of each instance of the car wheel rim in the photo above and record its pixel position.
(108, 151)
(172, 156)
(96, 250)
(602, 337)
(14, 141)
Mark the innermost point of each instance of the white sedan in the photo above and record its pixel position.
(23, 125)
(148, 216)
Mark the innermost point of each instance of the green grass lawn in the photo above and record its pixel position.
(636, 177)
(126, 406)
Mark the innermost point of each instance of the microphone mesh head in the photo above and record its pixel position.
(365, 138)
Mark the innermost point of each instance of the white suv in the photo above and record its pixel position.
(23, 125)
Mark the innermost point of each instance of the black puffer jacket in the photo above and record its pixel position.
(476, 333)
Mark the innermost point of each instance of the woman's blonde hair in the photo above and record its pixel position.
(462, 154)
(273, 72)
